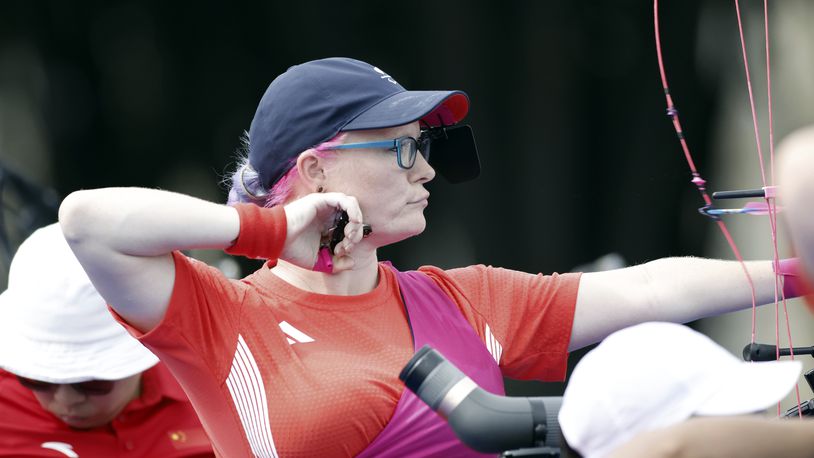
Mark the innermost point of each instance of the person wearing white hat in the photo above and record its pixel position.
(654, 375)
(72, 381)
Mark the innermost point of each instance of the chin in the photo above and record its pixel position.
(421, 225)
(83, 423)
(401, 228)
(398, 236)
(417, 229)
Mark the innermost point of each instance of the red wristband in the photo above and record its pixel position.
(262, 232)
(795, 283)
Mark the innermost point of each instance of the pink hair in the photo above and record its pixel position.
(282, 190)
(246, 186)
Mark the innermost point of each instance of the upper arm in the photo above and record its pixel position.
(123, 238)
(138, 288)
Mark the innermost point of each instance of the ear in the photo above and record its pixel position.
(310, 168)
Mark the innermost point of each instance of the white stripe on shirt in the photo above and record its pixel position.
(245, 384)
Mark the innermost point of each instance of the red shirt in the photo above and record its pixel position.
(159, 423)
(273, 370)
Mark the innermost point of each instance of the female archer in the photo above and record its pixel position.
(301, 358)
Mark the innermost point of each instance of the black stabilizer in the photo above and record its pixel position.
(759, 352)
(739, 194)
(764, 352)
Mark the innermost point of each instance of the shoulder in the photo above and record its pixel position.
(451, 275)
(12, 394)
(20, 413)
(481, 282)
(479, 273)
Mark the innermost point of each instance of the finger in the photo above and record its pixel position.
(351, 206)
(353, 232)
(354, 229)
(347, 203)
(344, 248)
(341, 249)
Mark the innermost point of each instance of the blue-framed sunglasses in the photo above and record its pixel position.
(406, 148)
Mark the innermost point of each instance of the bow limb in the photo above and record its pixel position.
(697, 180)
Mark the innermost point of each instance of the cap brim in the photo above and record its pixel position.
(752, 387)
(435, 108)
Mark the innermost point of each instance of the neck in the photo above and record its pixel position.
(362, 279)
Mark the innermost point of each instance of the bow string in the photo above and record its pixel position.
(768, 192)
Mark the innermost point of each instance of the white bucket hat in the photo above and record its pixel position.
(54, 326)
(654, 375)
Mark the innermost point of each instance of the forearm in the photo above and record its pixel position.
(724, 437)
(685, 289)
(671, 289)
(146, 222)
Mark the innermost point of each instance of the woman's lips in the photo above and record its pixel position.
(422, 199)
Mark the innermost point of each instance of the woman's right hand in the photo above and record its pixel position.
(309, 218)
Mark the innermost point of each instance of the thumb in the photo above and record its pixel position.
(343, 263)
(332, 264)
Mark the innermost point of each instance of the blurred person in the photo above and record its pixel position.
(654, 375)
(301, 358)
(796, 191)
(72, 381)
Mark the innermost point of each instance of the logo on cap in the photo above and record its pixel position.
(385, 75)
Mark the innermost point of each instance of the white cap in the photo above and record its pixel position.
(54, 326)
(654, 375)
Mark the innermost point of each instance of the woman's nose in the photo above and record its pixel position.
(422, 170)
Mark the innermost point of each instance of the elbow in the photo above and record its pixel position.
(76, 216)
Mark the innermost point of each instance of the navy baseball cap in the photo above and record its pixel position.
(312, 102)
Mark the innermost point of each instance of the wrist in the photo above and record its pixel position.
(795, 280)
(262, 232)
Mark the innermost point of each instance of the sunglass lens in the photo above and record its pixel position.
(424, 142)
(35, 385)
(95, 387)
(407, 151)
(91, 387)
